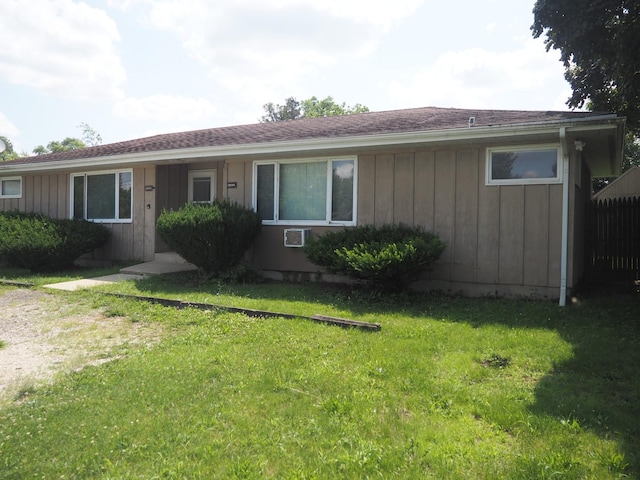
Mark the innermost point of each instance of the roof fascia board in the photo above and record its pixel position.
(335, 143)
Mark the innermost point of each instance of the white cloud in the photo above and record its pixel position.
(8, 129)
(260, 47)
(60, 47)
(477, 78)
(165, 108)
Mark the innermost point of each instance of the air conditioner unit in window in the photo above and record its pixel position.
(296, 237)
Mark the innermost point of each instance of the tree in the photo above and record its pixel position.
(312, 107)
(631, 152)
(278, 113)
(599, 43)
(90, 138)
(8, 153)
(54, 146)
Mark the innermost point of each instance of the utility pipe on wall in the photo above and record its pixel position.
(564, 153)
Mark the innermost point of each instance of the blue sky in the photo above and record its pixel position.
(132, 68)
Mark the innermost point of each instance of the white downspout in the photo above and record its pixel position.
(564, 153)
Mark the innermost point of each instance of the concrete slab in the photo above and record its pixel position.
(73, 285)
(156, 267)
(163, 263)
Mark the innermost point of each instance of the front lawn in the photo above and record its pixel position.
(450, 388)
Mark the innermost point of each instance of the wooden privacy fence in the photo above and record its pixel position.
(613, 240)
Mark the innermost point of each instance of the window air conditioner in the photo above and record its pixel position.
(296, 237)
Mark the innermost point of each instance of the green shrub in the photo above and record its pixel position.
(387, 257)
(42, 244)
(212, 237)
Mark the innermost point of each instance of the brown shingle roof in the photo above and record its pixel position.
(371, 123)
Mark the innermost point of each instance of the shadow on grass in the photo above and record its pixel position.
(599, 388)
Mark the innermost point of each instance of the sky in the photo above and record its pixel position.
(135, 68)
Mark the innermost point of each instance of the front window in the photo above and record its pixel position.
(523, 165)
(11, 187)
(103, 196)
(309, 192)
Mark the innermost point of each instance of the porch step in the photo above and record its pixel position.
(168, 257)
(163, 263)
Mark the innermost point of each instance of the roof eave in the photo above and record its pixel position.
(324, 144)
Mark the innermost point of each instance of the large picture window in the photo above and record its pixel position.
(523, 165)
(310, 192)
(102, 196)
(10, 187)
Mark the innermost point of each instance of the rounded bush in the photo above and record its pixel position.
(42, 244)
(387, 257)
(213, 236)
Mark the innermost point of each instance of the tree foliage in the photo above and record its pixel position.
(90, 138)
(311, 107)
(631, 152)
(43, 244)
(599, 43)
(212, 237)
(55, 146)
(387, 258)
(9, 153)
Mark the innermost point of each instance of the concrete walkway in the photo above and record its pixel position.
(162, 264)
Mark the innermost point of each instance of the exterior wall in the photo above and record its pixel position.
(500, 239)
(581, 186)
(46, 194)
(49, 195)
(625, 186)
(136, 240)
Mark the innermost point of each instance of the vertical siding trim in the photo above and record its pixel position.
(366, 189)
(403, 188)
(384, 181)
(424, 188)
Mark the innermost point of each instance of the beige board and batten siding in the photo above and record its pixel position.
(504, 239)
(626, 185)
(499, 238)
(134, 240)
(268, 251)
(49, 195)
(46, 194)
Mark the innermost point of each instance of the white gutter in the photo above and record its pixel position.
(564, 153)
(314, 145)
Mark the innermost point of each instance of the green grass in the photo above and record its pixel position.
(450, 388)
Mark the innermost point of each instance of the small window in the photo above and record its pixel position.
(103, 196)
(11, 187)
(310, 192)
(202, 186)
(523, 165)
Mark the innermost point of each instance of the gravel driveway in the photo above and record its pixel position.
(45, 334)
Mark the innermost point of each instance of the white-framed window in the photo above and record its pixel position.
(538, 164)
(102, 196)
(202, 186)
(318, 191)
(10, 187)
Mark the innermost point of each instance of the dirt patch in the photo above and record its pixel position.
(44, 334)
